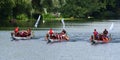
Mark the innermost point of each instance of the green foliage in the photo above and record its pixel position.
(37, 5)
(48, 16)
(22, 7)
(81, 8)
(22, 17)
(25, 9)
(46, 3)
(6, 8)
(11, 8)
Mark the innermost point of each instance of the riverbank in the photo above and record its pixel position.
(61, 19)
(45, 23)
(71, 18)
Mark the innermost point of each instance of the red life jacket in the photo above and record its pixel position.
(16, 30)
(50, 32)
(95, 33)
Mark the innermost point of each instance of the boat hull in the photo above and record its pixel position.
(101, 40)
(21, 38)
(56, 39)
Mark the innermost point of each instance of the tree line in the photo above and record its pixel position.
(30, 9)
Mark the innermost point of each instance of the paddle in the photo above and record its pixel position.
(63, 23)
(37, 22)
(110, 29)
(36, 25)
(64, 26)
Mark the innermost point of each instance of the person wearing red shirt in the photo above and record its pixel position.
(16, 31)
(95, 34)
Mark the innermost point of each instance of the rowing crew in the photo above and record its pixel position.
(23, 33)
(52, 36)
(103, 37)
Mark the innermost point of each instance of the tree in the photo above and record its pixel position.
(6, 7)
(82, 7)
(22, 7)
(85, 8)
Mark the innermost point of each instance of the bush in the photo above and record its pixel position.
(22, 17)
(108, 15)
(48, 16)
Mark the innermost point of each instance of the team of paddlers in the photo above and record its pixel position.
(100, 37)
(23, 33)
(52, 36)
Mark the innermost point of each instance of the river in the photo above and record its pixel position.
(79, 31)
(78, 48)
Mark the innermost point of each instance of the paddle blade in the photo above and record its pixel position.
(111, 27)
(63, 23)
(37, 22)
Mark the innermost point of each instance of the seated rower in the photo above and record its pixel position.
(50, 34)
(64, 35)
(28, 32)
(95, 34)
(61, 35)
(105, 32)
(23, 33)
(16, 31)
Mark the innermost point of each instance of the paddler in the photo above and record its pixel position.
(16, 31)
(105, 32)
(51, 33)
(95, 34)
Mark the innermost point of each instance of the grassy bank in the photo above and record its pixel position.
(61, 19)
(12, 28)
(6, 25)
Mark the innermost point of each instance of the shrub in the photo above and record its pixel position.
(22, 17)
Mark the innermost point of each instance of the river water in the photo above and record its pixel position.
(83, 31)
(79, 31)
(78, 48)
